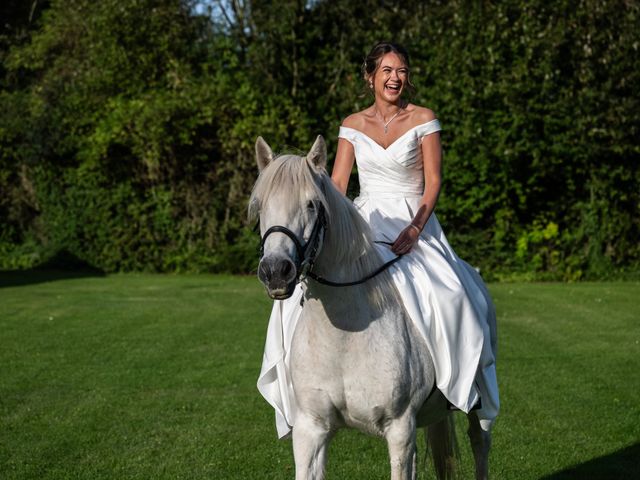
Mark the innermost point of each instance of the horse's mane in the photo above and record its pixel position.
(348, 235)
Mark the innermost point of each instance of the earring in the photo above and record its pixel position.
(371, 85)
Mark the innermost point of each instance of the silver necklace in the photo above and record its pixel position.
(386, 125)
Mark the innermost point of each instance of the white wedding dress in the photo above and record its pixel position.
(444, 296)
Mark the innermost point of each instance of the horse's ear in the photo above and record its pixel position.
(317, 156)
(264, 154)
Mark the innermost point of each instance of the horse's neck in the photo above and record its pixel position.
(352, 267)
(346, 250)
(345, 271)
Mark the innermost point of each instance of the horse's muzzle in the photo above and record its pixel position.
(278, 274)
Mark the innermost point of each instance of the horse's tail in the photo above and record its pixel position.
(441, 440)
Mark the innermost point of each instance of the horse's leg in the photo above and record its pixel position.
(441, 438)
(401, 441)
(480, 444)
(310, 444)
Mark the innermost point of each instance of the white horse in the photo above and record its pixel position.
(356, 358)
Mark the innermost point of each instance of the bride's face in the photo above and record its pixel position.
(390, 78)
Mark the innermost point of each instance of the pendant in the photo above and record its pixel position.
(386, 125)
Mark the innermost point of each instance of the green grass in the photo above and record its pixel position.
(153, 377)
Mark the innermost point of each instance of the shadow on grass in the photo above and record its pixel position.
(620, 465)
(62, 266)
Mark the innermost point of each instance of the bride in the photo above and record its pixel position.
(396, 146)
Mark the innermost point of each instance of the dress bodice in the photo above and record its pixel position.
(393, 171)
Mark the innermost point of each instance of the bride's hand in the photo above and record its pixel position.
(406, 240)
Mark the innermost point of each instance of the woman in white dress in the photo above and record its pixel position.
(396, 145)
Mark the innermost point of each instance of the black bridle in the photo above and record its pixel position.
(307, 253)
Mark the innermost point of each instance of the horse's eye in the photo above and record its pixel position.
(311, 205)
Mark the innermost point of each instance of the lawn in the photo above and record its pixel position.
(153, 377)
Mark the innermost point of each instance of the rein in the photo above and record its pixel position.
(379, 270)
(307, 253)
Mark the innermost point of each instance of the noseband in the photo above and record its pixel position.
(306, 253)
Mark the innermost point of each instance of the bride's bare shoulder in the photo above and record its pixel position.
(357, 120)
(421, 115)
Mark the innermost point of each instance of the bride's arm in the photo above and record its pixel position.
(432, 164)
(432, 161)
(343, 165)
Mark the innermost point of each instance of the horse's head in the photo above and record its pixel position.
(291, 206)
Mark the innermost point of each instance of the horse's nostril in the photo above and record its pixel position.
(286, 268)
(264, 272)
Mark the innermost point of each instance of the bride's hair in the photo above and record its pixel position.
(379, 50)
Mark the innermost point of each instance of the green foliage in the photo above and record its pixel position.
(128, 126)
(534, 130)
